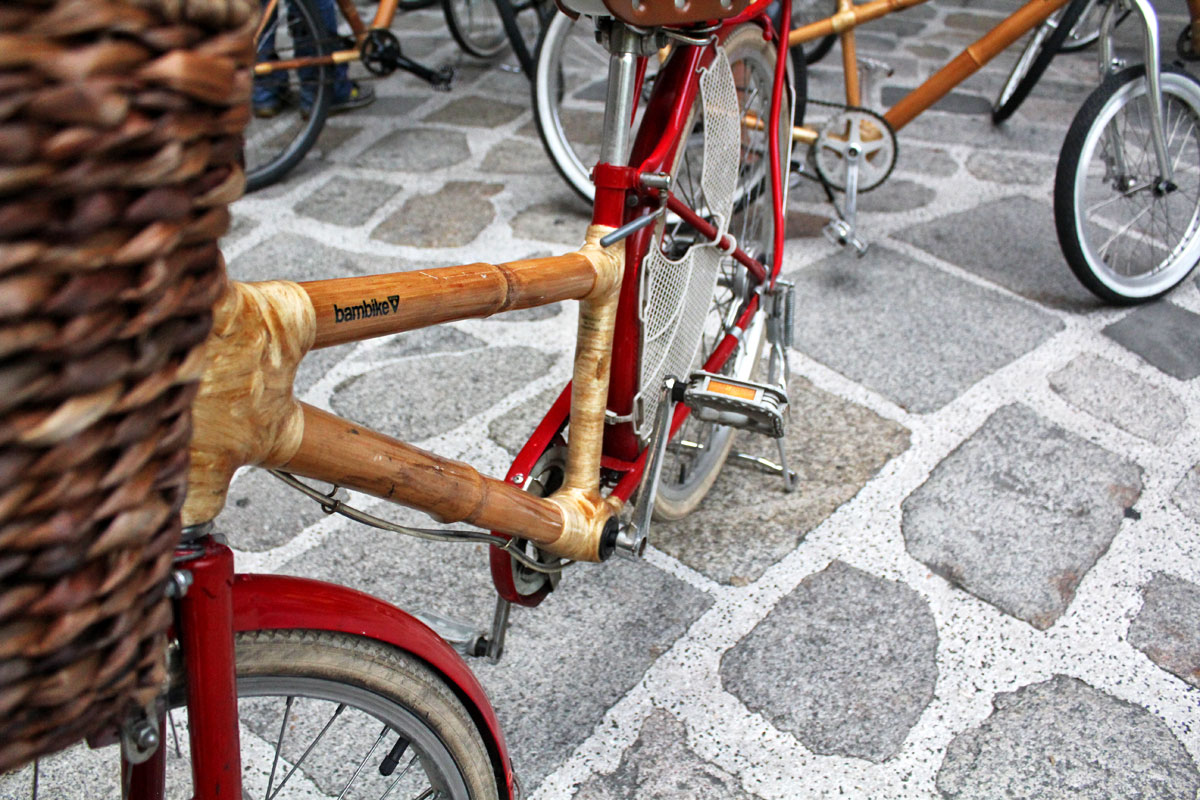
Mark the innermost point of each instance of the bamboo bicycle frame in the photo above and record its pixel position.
(938, 85)
(245, 412)
(384, 15)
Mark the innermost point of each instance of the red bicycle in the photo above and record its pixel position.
(288, 687)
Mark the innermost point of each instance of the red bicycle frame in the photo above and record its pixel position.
(220, 603)
(662, 131)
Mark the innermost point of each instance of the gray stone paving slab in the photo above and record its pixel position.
(1017, 134)
(397, 106)
(834, 446)
(1167, 628)
(262, 513)
(418, 399)
(548, 698)
(427, 341)
(517, 157)
(1010, 241)
(332, 137)
(914, 334)
(474, 111)
(1187, 493)
(450, 217)
(286, 256)
(897, 195)
(512, 430)
(416, 150)
(1121, 398)
(952, 103)
(1008, 169)
(926, 161)
(315, 364)
(346, 201)
(1055, 502)
(562, 222)
(1064, 739)
(660, 766)
(846, 662)
(1164, 335)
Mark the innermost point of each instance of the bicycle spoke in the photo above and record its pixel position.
(358, 769)
(287, 711)
(295, 767)
(396, 780)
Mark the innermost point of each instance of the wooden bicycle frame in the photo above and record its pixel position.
(938, 85)
(245, 413)
(384, 15)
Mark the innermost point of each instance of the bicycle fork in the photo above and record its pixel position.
(1153, 68)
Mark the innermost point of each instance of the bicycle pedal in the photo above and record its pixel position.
(841, 234)
(744, 405)
(873, 65)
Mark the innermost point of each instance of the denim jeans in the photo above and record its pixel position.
(272, 87)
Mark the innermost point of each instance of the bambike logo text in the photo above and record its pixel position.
(366, 309)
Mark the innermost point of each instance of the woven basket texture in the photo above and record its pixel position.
(120, 126)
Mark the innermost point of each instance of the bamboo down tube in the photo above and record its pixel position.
(968, 61)
(245, 412)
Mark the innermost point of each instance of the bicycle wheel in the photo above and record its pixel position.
(289, 105)
(523, 22)
(326, 714)
(696, 455)
(569, 90)
(1038, 53)
(805, 12)
(1126, 239)
(476, 26)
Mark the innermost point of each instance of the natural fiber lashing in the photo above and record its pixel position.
(120, 125)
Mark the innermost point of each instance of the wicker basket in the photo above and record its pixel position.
(120, 128)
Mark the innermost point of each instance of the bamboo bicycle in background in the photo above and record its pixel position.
(302, 64)
(1127, 199)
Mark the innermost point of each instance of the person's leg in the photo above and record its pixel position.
(268, 92)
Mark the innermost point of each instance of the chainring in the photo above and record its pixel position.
(877, 149)
(545, 477)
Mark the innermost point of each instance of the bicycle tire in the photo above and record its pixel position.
(689, 471)
(1109, 217)
(568, 93)
(415, 5)
(805, 12)
(313, 672)
(476, 27)
(1041, 49)
(524, 21)
(275, 145)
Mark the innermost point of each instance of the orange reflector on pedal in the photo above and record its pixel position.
(729, 389)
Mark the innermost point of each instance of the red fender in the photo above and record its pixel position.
(282, 602)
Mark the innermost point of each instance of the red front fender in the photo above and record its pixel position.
(281, 602)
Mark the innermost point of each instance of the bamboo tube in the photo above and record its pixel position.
(351, 309)
(968, 61)
(847, 19)
(849, 58)
(244, 412)
(337, 451)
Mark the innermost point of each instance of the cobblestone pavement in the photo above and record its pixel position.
(989, 583)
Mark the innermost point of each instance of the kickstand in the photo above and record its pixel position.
(495, 640)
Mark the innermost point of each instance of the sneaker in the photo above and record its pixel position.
(357, 97)
(267, 109)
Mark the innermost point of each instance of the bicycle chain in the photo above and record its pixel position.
(885, 126)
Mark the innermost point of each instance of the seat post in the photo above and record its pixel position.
(623, 45)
